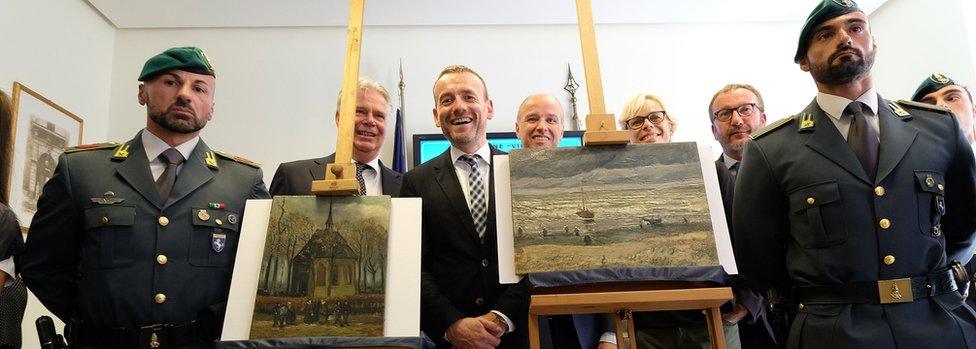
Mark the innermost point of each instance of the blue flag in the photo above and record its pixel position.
(399, 151)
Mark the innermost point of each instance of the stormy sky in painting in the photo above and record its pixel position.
(365, 207)
(644, 164)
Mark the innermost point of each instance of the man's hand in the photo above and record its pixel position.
(738, 312)
(606, 345)
(493, 321)
(476, 333)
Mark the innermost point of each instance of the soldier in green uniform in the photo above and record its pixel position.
(866, 203)
(133, 244)
(941, 90)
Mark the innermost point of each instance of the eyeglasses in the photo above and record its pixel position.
(745, 110)
(655, 117)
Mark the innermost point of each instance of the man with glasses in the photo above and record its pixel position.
(736, 111)
(864, 203)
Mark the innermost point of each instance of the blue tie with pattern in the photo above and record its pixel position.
(476, 191)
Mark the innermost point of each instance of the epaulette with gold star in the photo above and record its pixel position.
(236, 158)
(769, 128)
(93, 146)
(925, 106)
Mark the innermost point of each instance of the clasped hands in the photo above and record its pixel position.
(483, 332)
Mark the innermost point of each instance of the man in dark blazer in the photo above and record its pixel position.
(372, 107)
(133, 244)
(462, 303)
(865, 202)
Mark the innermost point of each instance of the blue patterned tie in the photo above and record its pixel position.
(476, 191)
(359, 177)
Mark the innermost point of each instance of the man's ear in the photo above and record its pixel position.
(490, 109)
(437, 121)
(143, 98)
(805, 64)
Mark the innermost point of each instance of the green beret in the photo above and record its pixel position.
(826, 10)
(931, 84)
(191, 59)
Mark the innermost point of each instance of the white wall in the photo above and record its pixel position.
(276, 88)
(64, 51)
(919, 37)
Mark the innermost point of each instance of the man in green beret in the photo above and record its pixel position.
(133, 244)
(940, 90)
(866, 202)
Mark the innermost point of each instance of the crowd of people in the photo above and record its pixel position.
(851, 220)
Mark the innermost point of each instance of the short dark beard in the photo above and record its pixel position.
(176, 125)
(844, 72)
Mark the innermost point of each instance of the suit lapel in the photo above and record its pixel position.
(896, 137)
(447, 179)
(827, 141)
(135, 171)
(390, 180)
(318, 169)
(192, 175)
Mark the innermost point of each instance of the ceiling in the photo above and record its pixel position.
(129, 14)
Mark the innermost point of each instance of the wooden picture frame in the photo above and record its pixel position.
(42, 130)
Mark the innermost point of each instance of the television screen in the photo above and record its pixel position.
(429, 146)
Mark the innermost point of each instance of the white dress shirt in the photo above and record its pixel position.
(7, 266)
(834, 107)
(462, 170)
(155, 146)
(371, 176)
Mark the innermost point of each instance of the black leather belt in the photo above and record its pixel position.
(880, 292)
(155, 336)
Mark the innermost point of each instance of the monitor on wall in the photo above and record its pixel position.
(429, 146)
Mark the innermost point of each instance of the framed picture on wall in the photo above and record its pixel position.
(42, 129)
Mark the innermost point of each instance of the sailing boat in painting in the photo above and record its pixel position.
(584, 214)
(605, 207)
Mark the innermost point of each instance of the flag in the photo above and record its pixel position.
(399, 151)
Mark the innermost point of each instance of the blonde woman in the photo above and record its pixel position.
(647, 120)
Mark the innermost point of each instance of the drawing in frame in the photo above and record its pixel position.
(41, 131)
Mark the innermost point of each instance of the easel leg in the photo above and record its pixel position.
(533, 331)
(716, 333)
(624, 321)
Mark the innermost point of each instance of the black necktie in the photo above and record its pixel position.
(172, 158)
(734, 170)
(863, 139)
(359, 177)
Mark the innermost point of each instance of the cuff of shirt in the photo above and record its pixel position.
(7, 266)
(609, 337)
(511, 325)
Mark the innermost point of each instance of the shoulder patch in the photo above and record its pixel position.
(925, 106)
(771, 127)
(93, 146)
(236, 158)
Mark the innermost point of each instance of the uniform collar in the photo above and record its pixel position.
(834, 105)
(155, 146)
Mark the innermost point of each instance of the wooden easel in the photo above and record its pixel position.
(340, 176)
(625, 297)
(600, 129)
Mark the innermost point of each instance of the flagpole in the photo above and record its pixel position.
(399, 146)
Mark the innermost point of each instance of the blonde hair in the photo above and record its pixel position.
(634, 105)
(6, 144)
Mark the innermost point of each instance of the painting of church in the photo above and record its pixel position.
(326, 266)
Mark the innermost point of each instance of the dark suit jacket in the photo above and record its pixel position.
(813, 219)
(295, 178)
(726, 184)
(459, 273)
(95, 261)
